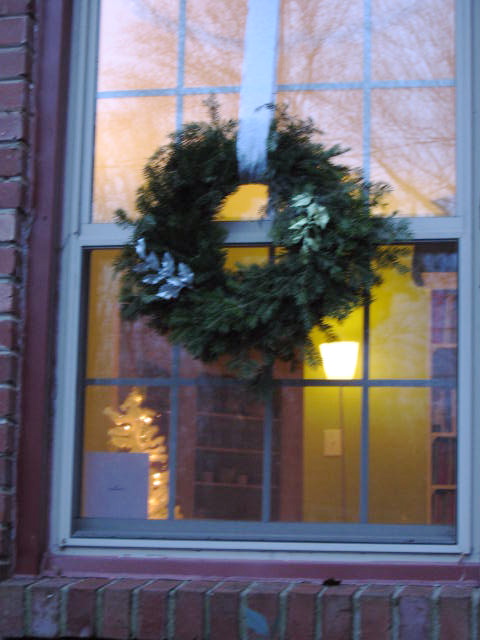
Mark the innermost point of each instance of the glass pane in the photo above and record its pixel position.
(138, 45)
(219, 471)
(195, 110)
(412, 40)
(320, 41)
(413, 148)
(414, 314)
(125, 452)
(116, 348)
(399, 490)
(214, 42)
(331, 452)
(128, 131)
(338, 114)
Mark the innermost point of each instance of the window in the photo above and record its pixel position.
(156, 446)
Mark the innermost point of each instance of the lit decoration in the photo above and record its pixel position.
(135, 432)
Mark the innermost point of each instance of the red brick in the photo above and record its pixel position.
(190, 609)
(80, 607)
(12, 126)
(375, 604)
(415, 608)
(45, 600)
(11, 161)
(12, 607)
(225, 610)
(337, 611)
(14, 94)
(263, 598)
(8, 227)
(152, 609)
(8, 369)
(15, 7)
(14, 63)
(8, 261)
(5, 508)
(14, 31)
(6, 438)
(5, 472)
(5, 542)
(7, 303)
(8, 397)
(454, 606)
(117, 609)
(8, 334)
(11, 194)
(301, 611)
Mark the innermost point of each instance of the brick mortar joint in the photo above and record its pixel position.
(28, 45)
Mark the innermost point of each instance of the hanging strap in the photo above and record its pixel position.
(258, 86)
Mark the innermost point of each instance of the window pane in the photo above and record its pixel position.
(214, 42)
(221, 452)
(339, 117)
(413, 40)
(116, 348)
(138, 45)
(329, 468)
(320, 41)
(413, 148)
(399, 455)
(126, 457)
(128, 131)
(414, 314)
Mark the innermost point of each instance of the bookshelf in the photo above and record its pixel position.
(229, 456)
(442, 485)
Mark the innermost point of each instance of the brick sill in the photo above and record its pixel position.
(116, 566)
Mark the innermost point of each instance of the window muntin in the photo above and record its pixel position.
(189, 367)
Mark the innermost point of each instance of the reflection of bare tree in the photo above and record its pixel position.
(412, 39)
(411, 130)
(138, 44)
(214, 42)
(320, 41)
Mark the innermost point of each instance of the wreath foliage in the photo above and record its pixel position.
(328, 247)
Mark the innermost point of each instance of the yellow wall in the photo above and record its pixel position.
(399, 417)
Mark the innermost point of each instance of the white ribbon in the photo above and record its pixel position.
(258, 87)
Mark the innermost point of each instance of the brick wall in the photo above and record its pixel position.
(16, 48)
(209, 610)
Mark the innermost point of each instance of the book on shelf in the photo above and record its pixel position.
(444, 461)
(444, 506)
(444, 316)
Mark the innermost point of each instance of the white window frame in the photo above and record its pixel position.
(79, 234)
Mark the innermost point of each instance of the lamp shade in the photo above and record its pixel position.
(339, 359)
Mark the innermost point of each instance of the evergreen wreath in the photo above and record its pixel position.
(328, 248)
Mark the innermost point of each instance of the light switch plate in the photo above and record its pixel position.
(332, 442)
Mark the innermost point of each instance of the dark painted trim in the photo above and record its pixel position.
(114, 566)
(50, 85)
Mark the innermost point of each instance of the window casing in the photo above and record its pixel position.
(84, 242)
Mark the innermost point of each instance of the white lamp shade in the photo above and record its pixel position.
(339, 359)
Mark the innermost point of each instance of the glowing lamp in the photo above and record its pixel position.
(339, 359)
